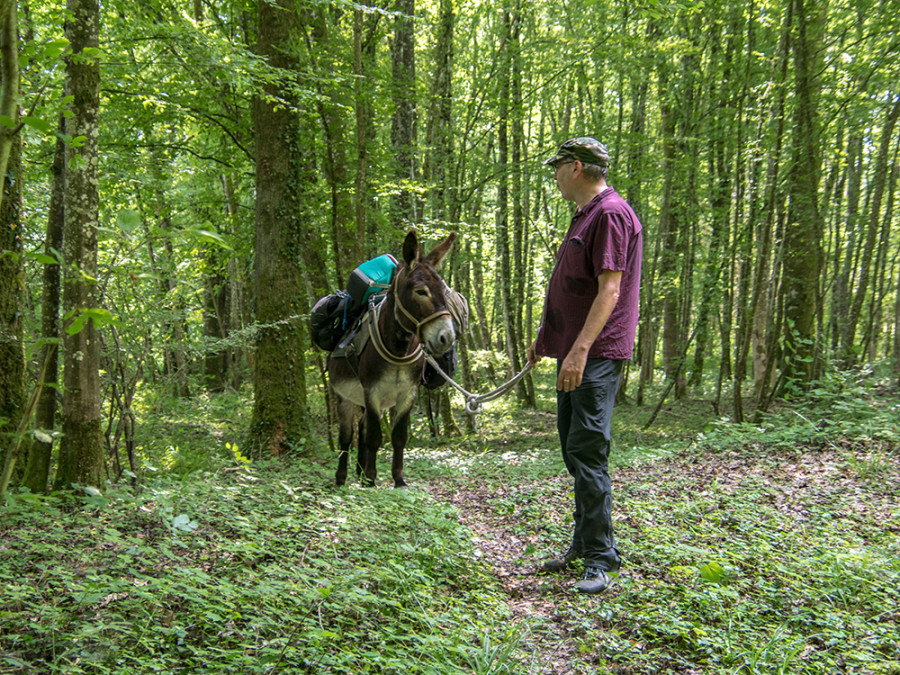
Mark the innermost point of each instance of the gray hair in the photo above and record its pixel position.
(594, 172)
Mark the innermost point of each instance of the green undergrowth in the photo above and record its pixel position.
(765, 547)
(258, 570)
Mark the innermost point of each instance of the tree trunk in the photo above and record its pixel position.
(280, 419)
(9, 80)
(37, 467)
(407, 209)
(802, 236)
(215, 294)
(363, 59)
(81, 449)
(12, 286)
(669, 236)
(873, 227)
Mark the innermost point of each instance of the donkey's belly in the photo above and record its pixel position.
(395, 387)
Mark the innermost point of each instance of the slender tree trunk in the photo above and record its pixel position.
(9, 79)
(81, 449)
(215, 293)
(348, 249)
(12, 286)
(407, 208)
(37, 466)
(364, 44)
(873, 226)
(669, 236)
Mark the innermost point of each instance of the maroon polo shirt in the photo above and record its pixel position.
(604, 235)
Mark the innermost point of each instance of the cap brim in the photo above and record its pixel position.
(553, 160)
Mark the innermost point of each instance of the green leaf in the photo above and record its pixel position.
(7, 121)
(38, 123)
(100, 317)
(42, 258)
(210, 238)
(128, 220)
(42, 437)
(712, 572)
(184, 523)
(56, 48)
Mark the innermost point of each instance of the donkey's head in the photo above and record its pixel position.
(420, 295)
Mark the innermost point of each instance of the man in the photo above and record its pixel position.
(589, 324)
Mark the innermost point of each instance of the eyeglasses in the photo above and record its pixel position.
(555, 167)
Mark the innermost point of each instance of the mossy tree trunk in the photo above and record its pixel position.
(37, 467)
(280, 415)
(803, 234)
(81, 449)
(12, 281)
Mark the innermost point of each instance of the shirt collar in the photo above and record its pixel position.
(591, 204)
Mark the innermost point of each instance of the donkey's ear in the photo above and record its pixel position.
(411, 249)
(439, 252)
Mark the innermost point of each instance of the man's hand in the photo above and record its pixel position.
(571, 370)
(531, 356)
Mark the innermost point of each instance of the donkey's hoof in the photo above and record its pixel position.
(400, 484)
(367, 482)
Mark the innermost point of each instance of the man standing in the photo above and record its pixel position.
(589, 324)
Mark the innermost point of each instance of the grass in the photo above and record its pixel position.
(749, 549)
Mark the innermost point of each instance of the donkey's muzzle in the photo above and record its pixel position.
(438, 336)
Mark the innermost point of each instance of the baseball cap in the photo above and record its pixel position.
(584, 148)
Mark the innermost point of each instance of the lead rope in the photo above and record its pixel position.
(474, 401)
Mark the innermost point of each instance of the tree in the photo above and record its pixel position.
(407, 209)
(280, 417)
(803, 234)
(9, 81)
(81, 449)
(37, 467)
(12, 277)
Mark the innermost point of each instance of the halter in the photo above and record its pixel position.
(382, 349)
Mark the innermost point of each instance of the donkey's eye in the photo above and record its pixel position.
(422, 292)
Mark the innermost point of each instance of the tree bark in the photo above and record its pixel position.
(407, 209)
(9, 80)
(12, 286)
(802, 236)
(81, 449)
(280, 421)
(37, 466)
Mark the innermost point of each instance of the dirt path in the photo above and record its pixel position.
(534, 599)
(544, 606)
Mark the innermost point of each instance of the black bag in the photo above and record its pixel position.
(326, 320)
(431, 378)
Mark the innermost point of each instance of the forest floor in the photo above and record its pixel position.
(804, 524)
(793, 483)
(765, 548)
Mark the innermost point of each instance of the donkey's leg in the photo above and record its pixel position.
(346, 414)
(360, 446)
(373, 438)
(399, 437)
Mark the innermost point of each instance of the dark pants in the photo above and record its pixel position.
(583, 421)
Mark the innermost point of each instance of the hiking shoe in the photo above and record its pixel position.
(560, 564)
(594, 580)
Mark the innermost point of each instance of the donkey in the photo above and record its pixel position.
(412, 316)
